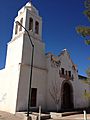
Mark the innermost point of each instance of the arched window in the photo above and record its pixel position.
(31, 24)
(16, 28)
(36, 27)
(21, 21)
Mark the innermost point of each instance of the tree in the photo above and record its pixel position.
(87, 81)
(85, 30)
(55, 93)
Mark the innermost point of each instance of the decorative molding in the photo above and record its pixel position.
(54, 62)
(67, 77)
(74, 67)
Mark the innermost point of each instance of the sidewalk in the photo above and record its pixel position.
(9, 116)
(22, 116)
(76, 117)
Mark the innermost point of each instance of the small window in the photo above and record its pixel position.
(16, 29)
(21, 21)
(31, 24)
(62, 70)
(69, 72)
(33, 97)
(36, 27)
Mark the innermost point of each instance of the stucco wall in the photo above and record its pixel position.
(8, 89)
(9, 77)
(80, 101)
(38, 81)
(78, 86)
(39, 73)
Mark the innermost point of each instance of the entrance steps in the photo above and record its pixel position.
(61, 115)
(71, 113)
(35, 116)
(53, 115)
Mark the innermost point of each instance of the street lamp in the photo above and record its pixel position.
(29, 96)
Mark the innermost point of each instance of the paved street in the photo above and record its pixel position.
(21, 116)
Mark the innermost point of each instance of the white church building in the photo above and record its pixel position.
(54, 78)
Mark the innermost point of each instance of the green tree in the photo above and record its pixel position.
(87, 81)
(88, 74)
(85, 30)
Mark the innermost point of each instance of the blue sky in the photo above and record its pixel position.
(60, 19)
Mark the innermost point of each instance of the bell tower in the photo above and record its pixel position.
(29, 17)
(19, 55)
(18, 63)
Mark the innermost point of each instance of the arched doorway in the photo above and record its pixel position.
(67, 96)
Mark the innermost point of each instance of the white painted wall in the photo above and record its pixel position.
(78, 85)
(80, 101)
(9, 77)
(8, 88)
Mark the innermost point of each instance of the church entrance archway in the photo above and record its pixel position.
(66, 96)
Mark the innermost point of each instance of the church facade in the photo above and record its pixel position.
(55, 79)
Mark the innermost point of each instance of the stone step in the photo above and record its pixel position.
(52, 115)
(71, 113)
(35, 116)
(55, 115)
